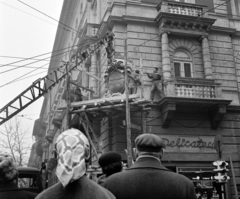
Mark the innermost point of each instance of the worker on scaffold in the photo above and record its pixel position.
(156, 83)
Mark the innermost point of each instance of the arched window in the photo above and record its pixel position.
(182, 64)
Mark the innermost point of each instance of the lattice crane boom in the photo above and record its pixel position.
(43, 85)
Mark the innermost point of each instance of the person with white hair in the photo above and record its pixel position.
(73, 152)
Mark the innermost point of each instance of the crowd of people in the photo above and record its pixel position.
(147, 178)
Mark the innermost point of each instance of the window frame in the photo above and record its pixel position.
(182, 68)
(182, 62)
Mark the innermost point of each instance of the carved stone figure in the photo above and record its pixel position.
(115, 80)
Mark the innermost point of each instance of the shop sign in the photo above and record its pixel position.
(188, 143)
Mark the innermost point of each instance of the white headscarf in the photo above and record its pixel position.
(73, 149)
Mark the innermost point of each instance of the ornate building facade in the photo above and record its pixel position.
(195, 46)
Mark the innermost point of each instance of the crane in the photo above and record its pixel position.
(42, 86)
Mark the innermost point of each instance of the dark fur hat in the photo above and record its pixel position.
(109, 158)
(8, 170)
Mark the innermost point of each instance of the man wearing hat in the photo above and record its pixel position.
(148, 178)
(8, 180)
(110, 162)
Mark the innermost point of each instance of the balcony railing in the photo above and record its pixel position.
(193, 88)
(182, 8)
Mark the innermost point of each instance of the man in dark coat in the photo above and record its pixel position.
(110, 162)
(8, 180)
(148, 178)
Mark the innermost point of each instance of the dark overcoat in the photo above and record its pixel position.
(148, 179)
(11, 191)
(81, 188)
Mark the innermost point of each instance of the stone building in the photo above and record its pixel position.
(195, 46)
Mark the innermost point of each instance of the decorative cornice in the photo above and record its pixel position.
(184, 24)
(127, 18)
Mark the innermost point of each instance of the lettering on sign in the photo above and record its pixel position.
(189, 143)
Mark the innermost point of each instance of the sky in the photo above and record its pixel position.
(25, 33)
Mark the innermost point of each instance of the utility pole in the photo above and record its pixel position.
(128, 122)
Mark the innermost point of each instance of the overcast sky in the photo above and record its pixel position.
(25, 33)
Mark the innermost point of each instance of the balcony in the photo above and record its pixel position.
(193, 88)
(182, 8)
(193, 20)
(193, 94)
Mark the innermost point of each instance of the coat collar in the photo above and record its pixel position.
(148, 162)
(8, 187)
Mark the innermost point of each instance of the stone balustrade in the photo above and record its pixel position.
(193, 88)
(182, 8)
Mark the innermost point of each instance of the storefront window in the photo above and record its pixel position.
(206, 186)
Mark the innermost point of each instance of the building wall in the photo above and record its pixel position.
(134, 20)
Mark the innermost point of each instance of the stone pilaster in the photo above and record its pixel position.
(93, 70)
(166, 64)
(206, 58)
(85, 77)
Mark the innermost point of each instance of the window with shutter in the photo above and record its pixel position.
(177, 69)
(187, 69)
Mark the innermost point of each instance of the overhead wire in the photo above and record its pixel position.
(22, 76)
(38, 56)
(29, 76)
(215, 7)
(33, 62)
(17, 66)
(27, 73)
(41, 67)
(28, 13)
(49, 16)
(77, 31)
(24, 58)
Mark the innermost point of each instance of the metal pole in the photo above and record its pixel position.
(128, 122)
(234, 180)
(68, 116)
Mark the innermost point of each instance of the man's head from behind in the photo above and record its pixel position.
(110, 162)
(8, 170)
(149, 144)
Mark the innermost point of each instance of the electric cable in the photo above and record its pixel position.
(28, 76)
(17, 66)
(38, 55)
(42, 66)
(22, 76)
(98, 39)
(28, 13)
(24, 58)
(49, 16)
(32, 63)
(215, 7)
